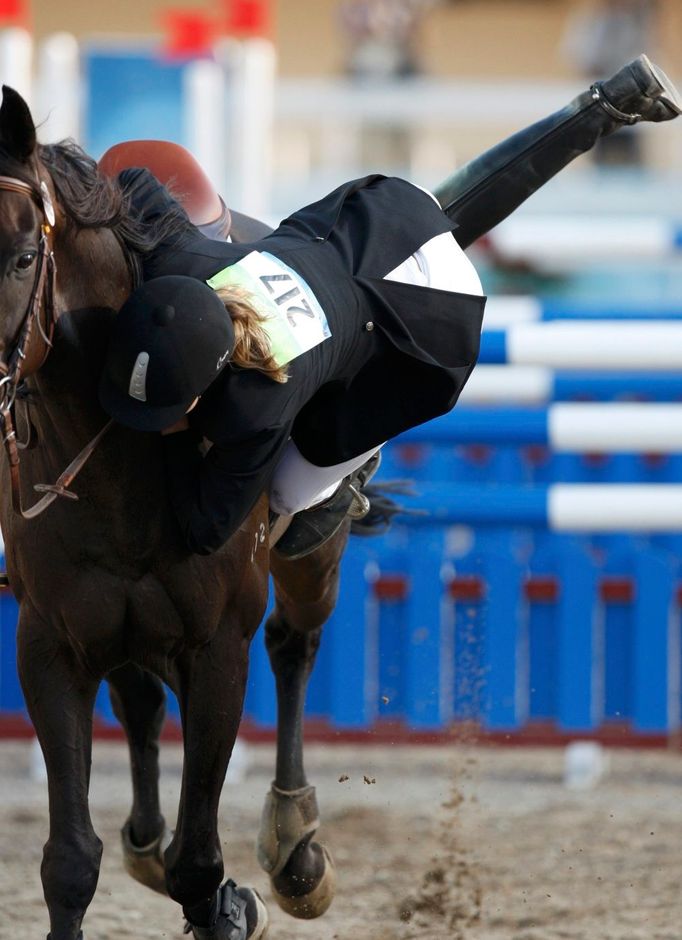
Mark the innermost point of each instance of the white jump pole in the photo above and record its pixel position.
(614, 507)
(570, 240)
(515, 385)
(637, 345)
(16, 61)
(58, 88)
(251, 68)
(205, 116)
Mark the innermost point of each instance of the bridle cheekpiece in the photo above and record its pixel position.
(25, 359)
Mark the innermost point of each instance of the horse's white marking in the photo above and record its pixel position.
(258, 539)
(138, 378)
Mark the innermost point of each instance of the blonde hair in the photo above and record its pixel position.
(252, 344)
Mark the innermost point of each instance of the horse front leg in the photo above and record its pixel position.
(139, 702)
(210, 686)
(302, 872)
(60, 696)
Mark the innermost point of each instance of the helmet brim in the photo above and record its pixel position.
(135, 414)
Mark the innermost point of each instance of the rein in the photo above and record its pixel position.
(42, 297)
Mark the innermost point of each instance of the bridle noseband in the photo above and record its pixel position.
(23, 360)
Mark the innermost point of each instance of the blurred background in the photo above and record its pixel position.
(405, 86)
(495, 610)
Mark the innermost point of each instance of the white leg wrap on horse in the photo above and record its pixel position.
(288, 816)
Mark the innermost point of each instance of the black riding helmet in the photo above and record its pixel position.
(170, 340)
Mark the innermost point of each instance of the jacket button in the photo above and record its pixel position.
(369, 326)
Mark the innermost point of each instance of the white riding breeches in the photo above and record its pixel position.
(298, 484)
(439, 263)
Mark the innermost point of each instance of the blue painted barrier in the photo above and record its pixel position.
(478, 611)
(11, 698)
(509, 629)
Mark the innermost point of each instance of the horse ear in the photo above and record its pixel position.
(17, 130)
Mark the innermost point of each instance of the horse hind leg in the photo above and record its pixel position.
(139, 702)
(60, 697)
(302, 872)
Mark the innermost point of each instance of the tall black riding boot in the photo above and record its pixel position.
(312, 527)
(488, 188)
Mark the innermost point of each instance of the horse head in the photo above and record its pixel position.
(26, 235)
(57, 214)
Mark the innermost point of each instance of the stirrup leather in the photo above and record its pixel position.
(612, 111)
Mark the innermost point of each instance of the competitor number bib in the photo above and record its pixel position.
(294, 320)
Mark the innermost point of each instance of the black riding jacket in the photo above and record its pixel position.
(398, 354)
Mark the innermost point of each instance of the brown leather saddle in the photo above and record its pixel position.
(175, 167)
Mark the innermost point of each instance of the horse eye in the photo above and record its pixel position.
(26, 260)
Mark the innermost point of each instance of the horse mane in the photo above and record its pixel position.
(91, 200)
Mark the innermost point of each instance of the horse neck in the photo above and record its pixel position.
(91, 269)
(93, 280)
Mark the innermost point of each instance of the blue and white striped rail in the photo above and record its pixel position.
(571, 427)
(504, 311)
(640, 345)
(535, 385)
(574, 239)
(560, 507)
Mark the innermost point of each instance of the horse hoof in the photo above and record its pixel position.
(293, 862)
(242, 915)
(145, 863)
(316, 902)
(261, 923)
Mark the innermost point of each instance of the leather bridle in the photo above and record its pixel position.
(26, 359)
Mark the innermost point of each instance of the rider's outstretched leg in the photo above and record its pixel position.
(488, 188)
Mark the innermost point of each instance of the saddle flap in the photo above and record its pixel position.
(181, 173)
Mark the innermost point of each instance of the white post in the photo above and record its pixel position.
(204, 94)
(251, 67)
(16, 60)
(58, 88)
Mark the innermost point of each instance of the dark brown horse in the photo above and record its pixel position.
(106, 589)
